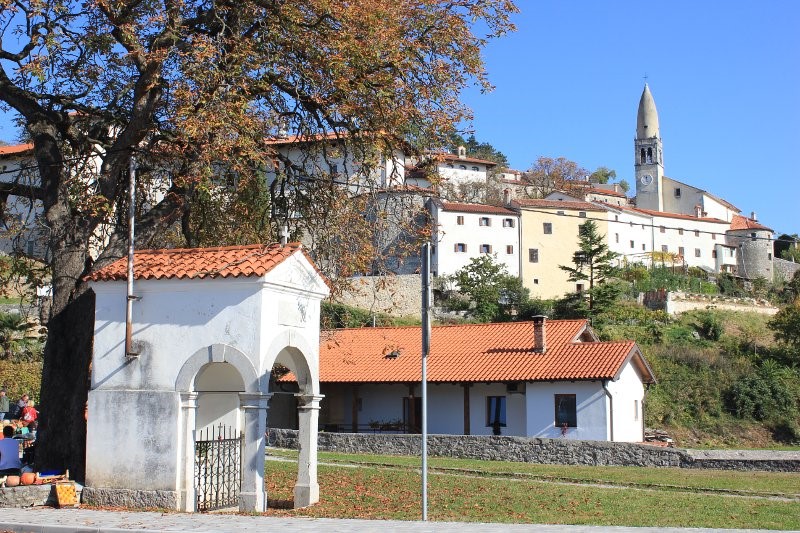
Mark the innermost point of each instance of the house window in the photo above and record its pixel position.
(460, 220)
(547, 227)
(486, 248)
(662, 229)
(460, 247)
(680, 251)
(485, 221)
(579, 287)
(713, 236)
(632, 245)
(476, 169)
(495, 411)
(769, 256)
(752, 236)
(731, 250)
(560, 213)
(462, 167)
(582, 214)
(616, 218)
(643, 247)
(535, 281)
(696, 233)
(508, 222)
(533, 255)
(450, 165)
(510, 249)
(616, 237)
(433, 249)
(566, 412)
(636, 409)
(677, 192)
(697, 252)
(714, 254)
(680, 231)
(664, 248)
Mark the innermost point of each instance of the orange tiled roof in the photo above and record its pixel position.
(198, 263)
(477, 208)
(559, 204)
(472, 353)
(738, 222)
(676, 215)
(15, 149)
(454, 157)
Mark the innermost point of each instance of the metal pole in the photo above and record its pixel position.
(426, 348)
(129, 351)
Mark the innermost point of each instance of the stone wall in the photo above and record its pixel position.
(543, 451)
(679, 302)
(394, 295)
(785, 269)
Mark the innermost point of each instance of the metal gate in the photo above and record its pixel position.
(218, 468)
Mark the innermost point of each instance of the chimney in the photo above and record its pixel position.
(539, 334)
(698, 211)
(753, 216)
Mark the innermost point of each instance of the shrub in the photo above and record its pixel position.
(709, 325)
(763, 396)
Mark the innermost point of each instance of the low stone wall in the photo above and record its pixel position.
(130, 498)
(679, 302)
(399, 295)
(785, 269)
(542, 451)
(31, 495)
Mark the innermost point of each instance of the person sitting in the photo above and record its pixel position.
(29, 413)
(10, 465)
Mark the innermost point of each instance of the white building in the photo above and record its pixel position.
(550, 379)
(462, 231)
(206, 332)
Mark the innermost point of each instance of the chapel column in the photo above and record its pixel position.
(306, 490)
(187, 494)
(252, 494)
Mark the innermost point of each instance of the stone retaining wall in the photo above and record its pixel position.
(677, 302)
(399, 295)
(543, 451)
(785, 269)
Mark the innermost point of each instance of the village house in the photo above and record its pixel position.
(544, 378)
(462, 231)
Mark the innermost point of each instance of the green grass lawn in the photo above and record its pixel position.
(388, 487)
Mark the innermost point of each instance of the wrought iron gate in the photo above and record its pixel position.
(217, 468)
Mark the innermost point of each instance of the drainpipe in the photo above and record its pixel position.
(610, 409)
(130, 353)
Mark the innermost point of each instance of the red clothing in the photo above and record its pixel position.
(29, 414)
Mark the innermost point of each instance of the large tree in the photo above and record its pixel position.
(548, 174)
(185, 86)
(592, 261)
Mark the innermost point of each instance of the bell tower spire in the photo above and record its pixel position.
(648, 155)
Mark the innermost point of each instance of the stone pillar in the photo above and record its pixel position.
(252, 494)
(306, 490)
(186, 496)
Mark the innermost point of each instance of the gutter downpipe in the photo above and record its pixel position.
(610, 409)
(130, 353)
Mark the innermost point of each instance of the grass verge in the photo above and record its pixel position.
(387, 487)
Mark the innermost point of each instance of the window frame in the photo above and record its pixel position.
(485, 222)
(558, 421)
(533, 255)
(490, 410)
(547, 228)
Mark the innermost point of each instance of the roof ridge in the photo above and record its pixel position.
(442, 326)
(163, 251)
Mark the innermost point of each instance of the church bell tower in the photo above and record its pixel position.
(648, 156)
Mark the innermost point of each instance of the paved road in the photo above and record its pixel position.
(49, 520)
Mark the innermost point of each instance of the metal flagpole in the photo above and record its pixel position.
(426, 347)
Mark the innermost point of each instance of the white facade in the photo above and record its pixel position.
(464, 231)
(206, 350)
(530, 410)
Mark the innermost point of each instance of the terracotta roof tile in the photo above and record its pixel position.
(738, 222)
(471, 353)
(675, 215)
(198, 263)
(559, 204)
(477, 208)
(16, 149)
(456, 158)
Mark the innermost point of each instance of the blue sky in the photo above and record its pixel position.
(725, 76)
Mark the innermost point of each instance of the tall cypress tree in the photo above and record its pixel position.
(593, 260)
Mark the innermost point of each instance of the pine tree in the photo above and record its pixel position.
(593, 260)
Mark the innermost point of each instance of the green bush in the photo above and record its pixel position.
(765, 395)
(21, 378)
(709, 325)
